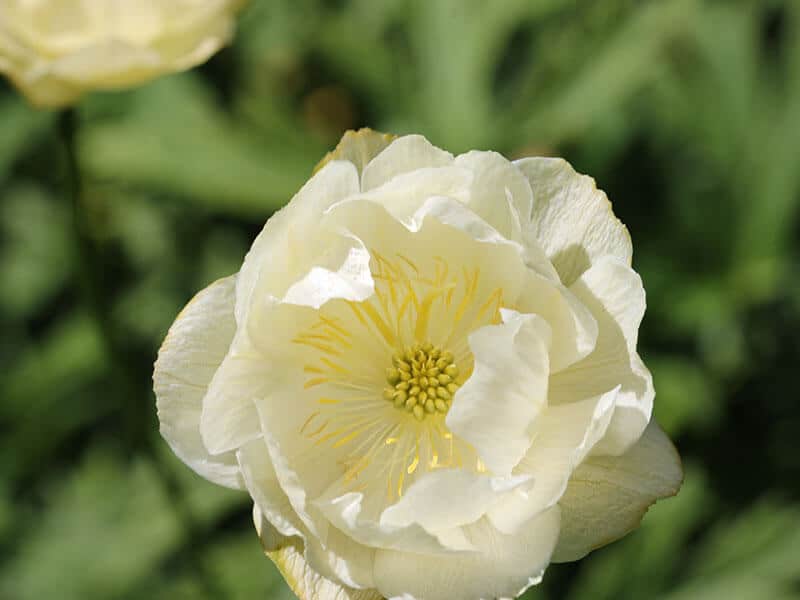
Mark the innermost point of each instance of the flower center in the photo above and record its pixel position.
(422, 380)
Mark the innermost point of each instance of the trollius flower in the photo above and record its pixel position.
(56, 50)
(425, 375)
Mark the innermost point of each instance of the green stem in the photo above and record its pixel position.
(90, 269)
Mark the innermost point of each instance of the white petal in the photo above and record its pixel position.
(608, 496)
(572, 220)
(338, 559)
(614, 294)
(229, 418)
(305, 582)
(404, 154)
(342, 271)
(288, 246)
(565, 435)
(448, 498)
(505, 567)
(495, 408)
(574, 327)
(405, 193)
(501, 195)
(190, 355)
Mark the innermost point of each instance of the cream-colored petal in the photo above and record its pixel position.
(500, 194)
(572, 220)
(564, 436)
(574, 327)
(358, 147)
(342, 271)
(497, 406)
(504, 568)
(449, 498)
(308, 584)
(188, 359)
(404, 194)
(288, 246)
(607, 496)
(229, 418)
(408, 153)
(336, 558)
(613, 292)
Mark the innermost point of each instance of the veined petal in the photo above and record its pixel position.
(496, 407)
(504, 567)
(608, 496)
(191, 353)
(572, 220)
(358, 147)
(338, 559)
(408, 153)
(449, 498)
(305, 582)
(229, 418)
(501, 195)
(288, 246)
(613, 293)
(574, 327)
(565, 434)
(405, 193)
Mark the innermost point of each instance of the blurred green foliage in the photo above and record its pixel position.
(687, 112)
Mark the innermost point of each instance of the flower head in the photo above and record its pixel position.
(56, 50)
(425, 375)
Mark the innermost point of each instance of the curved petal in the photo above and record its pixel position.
(572, 220)
(565, 435)
(574, 328)
(496, 407)
(338, 559)
(408, 153)
(614, 294)
(305, 582)
(191, 353)
(291, 240)
(450, 498)
(358, 147)
(504, 568)
(608, 496)
(500, 194)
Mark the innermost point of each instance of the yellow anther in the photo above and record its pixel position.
(422, 380)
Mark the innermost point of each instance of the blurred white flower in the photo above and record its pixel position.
(425, 375)
(56, 50)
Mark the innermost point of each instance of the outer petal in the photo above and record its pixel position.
(501, 195)
(404, 154)
(337, 558)
(564, 435)
(190, 355)
(505, 567)
(292, 240)
(306, 583)
(496, 407)
(614, 294)
(572, 220)
(358, 147)
(607, 497)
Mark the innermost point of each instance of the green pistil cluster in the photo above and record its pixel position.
(422, 380)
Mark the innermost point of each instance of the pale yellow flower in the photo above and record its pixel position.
(56, 50)
(425, 375)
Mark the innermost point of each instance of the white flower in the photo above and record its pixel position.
(56, 50)
(425, 375)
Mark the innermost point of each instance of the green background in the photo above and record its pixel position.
(687, 113)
